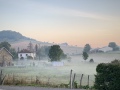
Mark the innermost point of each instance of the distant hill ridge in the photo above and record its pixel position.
(12, 36)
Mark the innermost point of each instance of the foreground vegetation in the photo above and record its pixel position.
(108, 76)
(12, 79)
(46, 75)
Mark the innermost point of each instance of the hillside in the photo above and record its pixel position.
(12, 36)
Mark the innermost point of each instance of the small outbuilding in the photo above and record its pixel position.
(6, 57)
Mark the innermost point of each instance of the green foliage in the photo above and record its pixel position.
(43, 51)
(87, 48)
(85, 56)
(91, 61)
(6, 45)
(36, 48)
(84, 87)
(14, 53)
(116, 62)
(55, 53)
(29, 57)
(63, 56)
(114, 46)
(108, 76)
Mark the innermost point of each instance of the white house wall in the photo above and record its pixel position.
(24, 55)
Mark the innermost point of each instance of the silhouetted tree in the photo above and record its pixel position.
(30, 47)
(18, 50)
(55, 53)
(14, 53)
(85, 56)
(36, 48)
(87, 48)
(114, 46)
(42, 52)
(6, 45)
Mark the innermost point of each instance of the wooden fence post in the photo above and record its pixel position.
(81, 80)
(88, 81)
(13, 77)
(73, 82)
(71, 79)
(2, 78)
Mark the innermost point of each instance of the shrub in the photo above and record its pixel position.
(108, 77)
(116, 62)
(91, 61)
(29, 57)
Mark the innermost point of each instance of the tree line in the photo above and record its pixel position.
(87, 49)
(55, 53)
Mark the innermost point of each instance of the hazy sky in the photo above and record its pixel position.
(77, 22)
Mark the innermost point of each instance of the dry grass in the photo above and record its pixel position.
(47, 74)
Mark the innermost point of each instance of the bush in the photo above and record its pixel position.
(29, 57)
(91, 61)
(108, 77)
(116, 62)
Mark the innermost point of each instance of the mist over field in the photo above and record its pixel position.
(46, 72)
(41, 41)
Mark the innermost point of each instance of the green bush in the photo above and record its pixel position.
(108, 76)
(91, 61)
(29, 57)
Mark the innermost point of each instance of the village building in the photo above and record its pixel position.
(105, 49)
(26, 54)
(101, 50)
(6, 57)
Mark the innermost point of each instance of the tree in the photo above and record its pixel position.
(108, 76)
(30, 47)
(42, 52)
(114, 46)
(55, 53)
(36, 48)
(85, 56)
(6, 45)
(87, 48)
(14, 53)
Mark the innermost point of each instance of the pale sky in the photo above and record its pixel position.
(76, 22)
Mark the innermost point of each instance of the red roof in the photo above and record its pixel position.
(25, 51)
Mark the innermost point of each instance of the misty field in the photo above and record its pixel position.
(46, 72)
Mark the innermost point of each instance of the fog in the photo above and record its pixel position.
(60, 74)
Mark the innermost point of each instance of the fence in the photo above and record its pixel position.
(75, 81)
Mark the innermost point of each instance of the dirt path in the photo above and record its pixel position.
(31, 88)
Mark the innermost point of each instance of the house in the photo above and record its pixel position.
(26, 54)
(105, 49)
(6, 57)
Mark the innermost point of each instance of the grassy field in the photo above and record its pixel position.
(57, 75)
